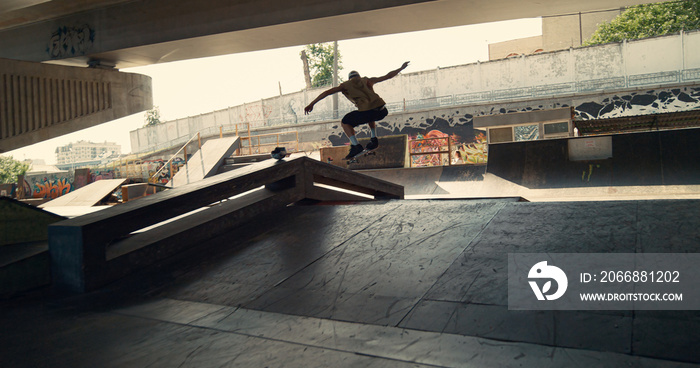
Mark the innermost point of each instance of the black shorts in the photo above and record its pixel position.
(355, 118)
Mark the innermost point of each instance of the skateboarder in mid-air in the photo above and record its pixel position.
(370, 107)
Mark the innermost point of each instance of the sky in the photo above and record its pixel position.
(198, 86)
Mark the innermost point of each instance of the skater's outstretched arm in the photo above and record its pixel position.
(389, 75)
(320, 97)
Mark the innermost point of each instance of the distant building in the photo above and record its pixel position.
(559, 32)
(83, 151)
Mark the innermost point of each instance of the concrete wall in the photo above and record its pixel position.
(559, 32)
(457, 121)
(600, 81)
(562, 32)
(527, 46)
(652, 158)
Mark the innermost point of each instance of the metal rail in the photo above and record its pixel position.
(169, 162)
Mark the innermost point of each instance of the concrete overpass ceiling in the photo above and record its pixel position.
(15, 13)
(10, 5)
(135, 33)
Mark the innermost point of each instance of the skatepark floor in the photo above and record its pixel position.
(419, 283)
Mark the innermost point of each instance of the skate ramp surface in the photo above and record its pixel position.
(388, 284)
(430, 181)
(86, 196)
(206, 161)
(474, 182)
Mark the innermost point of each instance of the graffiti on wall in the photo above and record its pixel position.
(294, 110)
(472, 144)
(71, 41)
(50, 185)
(641, 103)
(255, 112)
(101, 174)
(466, 145)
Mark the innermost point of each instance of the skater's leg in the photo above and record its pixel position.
(349, 122)
(373, 141)
(349, 130)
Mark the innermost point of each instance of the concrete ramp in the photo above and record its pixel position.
(24, 257)
(86, 196)
(92, 250)
(206, 162)
(416, 181)
(471, 182)
(655, 158)
(434, 180)
(392, 153)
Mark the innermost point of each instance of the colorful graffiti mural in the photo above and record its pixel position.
(50, 185)
(449, 149)
(476, 152)
(102, 174)
(421, 146)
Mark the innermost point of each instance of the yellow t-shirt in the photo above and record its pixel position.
(359, 93)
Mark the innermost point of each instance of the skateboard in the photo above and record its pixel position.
(279, 153)
(366, 152)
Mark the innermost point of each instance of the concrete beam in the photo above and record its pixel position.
(42, 101)
(155, 31)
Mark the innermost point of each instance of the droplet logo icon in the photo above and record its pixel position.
(542, 271)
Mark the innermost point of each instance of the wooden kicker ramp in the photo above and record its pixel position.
(92, 250)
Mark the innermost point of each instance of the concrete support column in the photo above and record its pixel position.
(42, 101)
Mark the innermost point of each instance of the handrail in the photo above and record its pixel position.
(173, 157)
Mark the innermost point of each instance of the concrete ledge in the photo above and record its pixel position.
(392, 153)
(92, 250)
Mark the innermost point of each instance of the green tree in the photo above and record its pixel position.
(10, 169)
(321, 63)
(649, 20)
(152, 116)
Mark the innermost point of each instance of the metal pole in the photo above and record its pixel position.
(335, 78)
(449, 150)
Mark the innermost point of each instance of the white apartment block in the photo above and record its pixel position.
(82, 151)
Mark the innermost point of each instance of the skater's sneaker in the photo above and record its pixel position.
(373, 144)
(355, 149)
